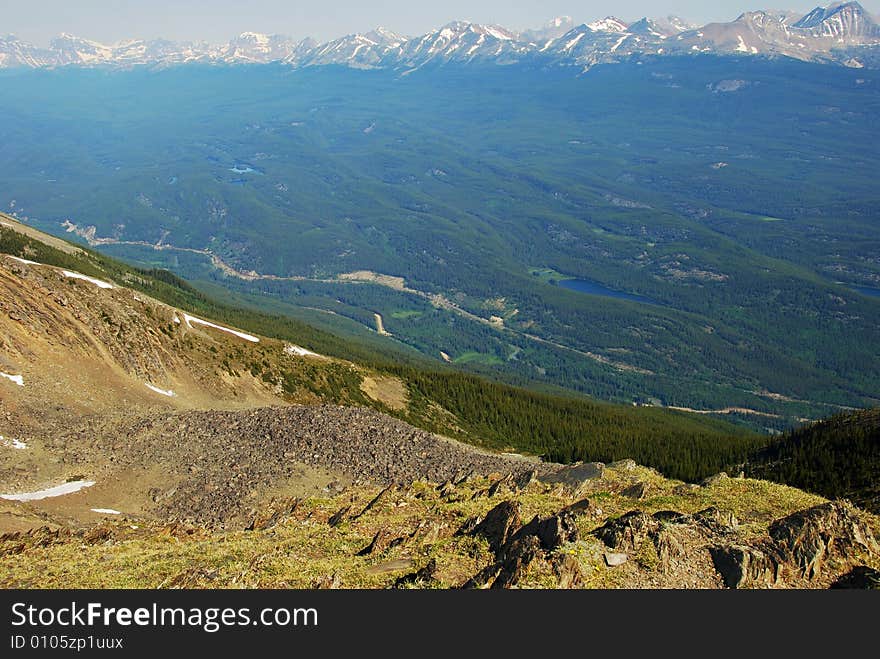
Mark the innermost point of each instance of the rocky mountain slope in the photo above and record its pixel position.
(132, 428)
(840, 32)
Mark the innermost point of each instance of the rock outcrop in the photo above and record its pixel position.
(516, 545)
(831, 533)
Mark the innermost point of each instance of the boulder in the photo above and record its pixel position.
(717, 478)
(744, 566)
(576, 475)
(636, 491)
(517, 556)
(830, 532)
(670, 548)
(525, 479)
(627, 532)
(672, 517)
(568, 572)
(499, 525)
(613, 559)
(483, 577)
(552, 531)
(717, 521)
(685, 489)
(505, 482)
(515, 546)
(578, 507)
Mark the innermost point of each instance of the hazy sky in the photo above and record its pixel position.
(217, 20)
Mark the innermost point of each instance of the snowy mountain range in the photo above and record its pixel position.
(842, 33)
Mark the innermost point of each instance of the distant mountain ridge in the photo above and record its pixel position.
(837, 33)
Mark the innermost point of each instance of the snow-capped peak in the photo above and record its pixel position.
(608, 24)
(381, 35)
(648, 27)
(817, 36)
(820, 14)
(254, 37)
(842, 20)
(457, 29)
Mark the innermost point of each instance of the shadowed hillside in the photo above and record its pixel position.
(838, 457)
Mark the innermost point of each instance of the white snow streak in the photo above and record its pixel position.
(164, 392)
(17, 379)
(105, 511)
(498, 35)
(96, 282)
(292, 350)
(21, 260)
(573, 42)
(57, 491)
(67, 273)
(192, 319)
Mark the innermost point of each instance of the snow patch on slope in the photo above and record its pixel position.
(189, 320)
(21, 260)
(91, 280)
(17, 379)
(12, 443)
(297, 351)
(56, 491)
(164, 392)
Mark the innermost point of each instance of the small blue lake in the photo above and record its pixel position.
(591, 287)
(865, 290)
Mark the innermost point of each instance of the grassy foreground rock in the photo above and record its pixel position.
(481, 532)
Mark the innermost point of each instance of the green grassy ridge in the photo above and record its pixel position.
(838, 457)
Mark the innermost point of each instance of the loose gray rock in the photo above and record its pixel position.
(613, 559)
(573, 476)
